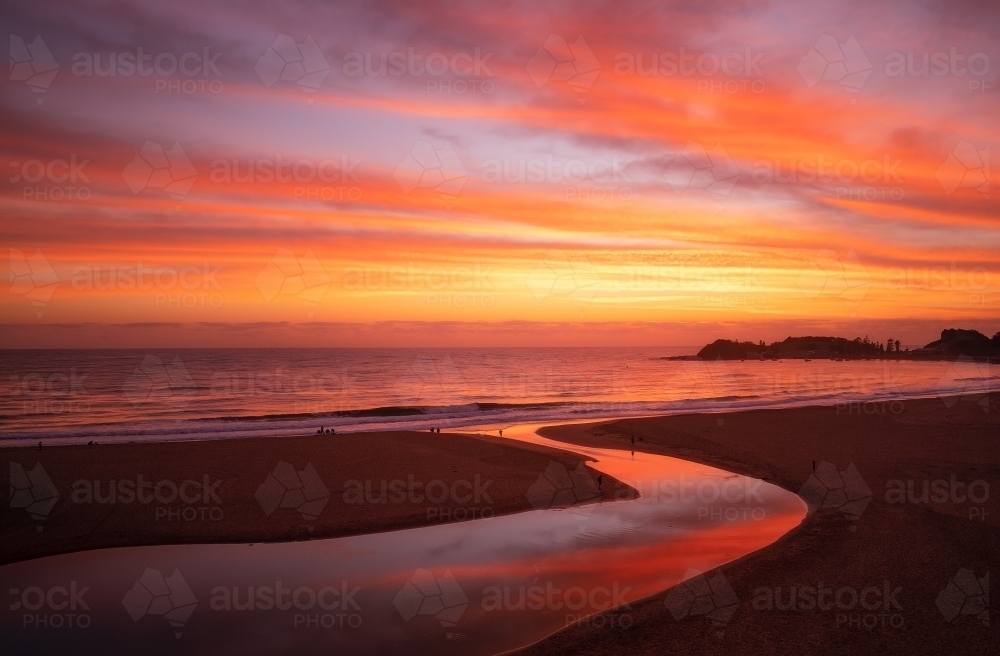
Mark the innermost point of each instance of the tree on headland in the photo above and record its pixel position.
(954, 342)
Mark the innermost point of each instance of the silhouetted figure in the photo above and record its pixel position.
(432, 429)
(39, 445)
(333, 431)
(501, 432)
(320, 431)
(600, 479)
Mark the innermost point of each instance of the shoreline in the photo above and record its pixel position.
(269, 489)
(928, 438)
(915, 547)
(987, 359)
(256, 427)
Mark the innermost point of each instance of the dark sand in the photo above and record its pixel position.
(505, 470)
(918, 547)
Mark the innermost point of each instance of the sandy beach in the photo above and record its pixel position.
(428, 479)
(903, 550)
(870, 535)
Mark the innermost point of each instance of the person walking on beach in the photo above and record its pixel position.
(600, 480)
(501, 432)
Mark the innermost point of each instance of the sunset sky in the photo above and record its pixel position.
(574, 173)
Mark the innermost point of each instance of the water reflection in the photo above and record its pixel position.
(477, 587)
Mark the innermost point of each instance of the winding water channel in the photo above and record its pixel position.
(475, 587)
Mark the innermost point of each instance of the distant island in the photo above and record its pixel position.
(954, 343)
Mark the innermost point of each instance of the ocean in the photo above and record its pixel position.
(75, 396)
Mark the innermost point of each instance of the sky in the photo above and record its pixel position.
(497, 173)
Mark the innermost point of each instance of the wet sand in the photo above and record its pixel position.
(225, 502)
(910, 550)
(883, 545)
